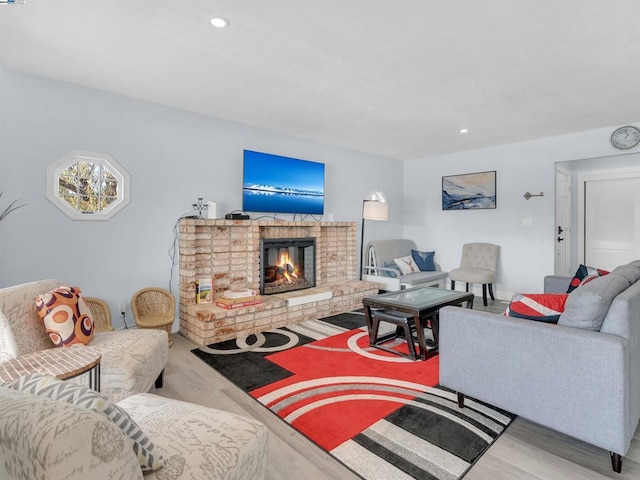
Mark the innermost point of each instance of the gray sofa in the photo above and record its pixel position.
(381, 253)
(580, 377)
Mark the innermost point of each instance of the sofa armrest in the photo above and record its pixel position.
(22, 330)
(389, 283)
(556, 376)
(371, 270)
(556, 284)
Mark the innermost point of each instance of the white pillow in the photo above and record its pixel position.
(406, 265)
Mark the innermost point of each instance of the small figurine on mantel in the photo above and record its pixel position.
(200, 207)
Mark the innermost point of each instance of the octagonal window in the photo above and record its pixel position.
(88, 185)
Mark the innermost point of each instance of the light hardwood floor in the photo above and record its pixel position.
(526, 451)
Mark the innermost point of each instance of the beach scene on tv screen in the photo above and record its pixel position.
(282, 185)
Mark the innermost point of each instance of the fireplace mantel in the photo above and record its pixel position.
(228, 251)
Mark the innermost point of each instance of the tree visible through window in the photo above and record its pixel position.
(88, 185)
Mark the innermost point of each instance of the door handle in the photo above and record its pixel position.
(560, 239)
(560, 230)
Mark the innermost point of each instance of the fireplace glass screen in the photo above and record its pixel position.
(287, 264)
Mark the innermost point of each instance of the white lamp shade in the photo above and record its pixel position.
(374, 210)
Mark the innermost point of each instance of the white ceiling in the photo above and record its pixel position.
(393, 77)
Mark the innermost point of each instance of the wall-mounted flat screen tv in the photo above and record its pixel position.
(276, 184)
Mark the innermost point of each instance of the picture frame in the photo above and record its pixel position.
(204, 290)
(469, 191)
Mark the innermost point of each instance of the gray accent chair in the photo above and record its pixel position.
(479, 264)
(580, 377)
(382, 252)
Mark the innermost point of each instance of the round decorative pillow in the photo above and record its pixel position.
(66, 317)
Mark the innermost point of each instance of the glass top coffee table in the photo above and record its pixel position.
(421, 302)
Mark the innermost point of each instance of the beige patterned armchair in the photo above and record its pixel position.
(44, 438)
(132, 360)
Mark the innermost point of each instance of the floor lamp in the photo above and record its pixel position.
(373, 208)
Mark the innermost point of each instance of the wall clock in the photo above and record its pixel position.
(625, 138)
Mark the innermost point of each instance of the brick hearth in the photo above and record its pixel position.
(229, 252)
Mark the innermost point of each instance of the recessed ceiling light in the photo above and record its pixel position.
(463, 131)
(219, 22)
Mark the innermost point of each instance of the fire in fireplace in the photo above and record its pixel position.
(287, 264)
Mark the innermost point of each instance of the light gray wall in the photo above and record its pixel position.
(173, 157)
(527, 253)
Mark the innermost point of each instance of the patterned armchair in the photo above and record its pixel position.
(132, 360)
(44, 438)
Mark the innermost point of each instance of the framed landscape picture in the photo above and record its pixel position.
(470, 191)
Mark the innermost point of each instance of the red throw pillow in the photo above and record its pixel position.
(66, 317)
(583, 275)
(542, 307)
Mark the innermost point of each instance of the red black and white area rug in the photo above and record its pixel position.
(382, 415)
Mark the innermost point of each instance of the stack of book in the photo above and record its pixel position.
(238, 297)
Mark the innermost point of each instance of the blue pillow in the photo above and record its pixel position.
(424, 260)
(393, 265)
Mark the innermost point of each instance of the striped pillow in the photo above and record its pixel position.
(56, 389)
(543, 307)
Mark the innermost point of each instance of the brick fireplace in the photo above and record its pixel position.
(230, 251)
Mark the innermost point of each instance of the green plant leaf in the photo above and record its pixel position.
(12, 206)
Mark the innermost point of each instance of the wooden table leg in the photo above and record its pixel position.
(422, 343)
(369, 321)
(435, 329)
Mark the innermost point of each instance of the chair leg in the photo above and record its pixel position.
(491, 291)
(616, 462)
(467, 289)
(484, 294)
(453, 284)
(160, 380)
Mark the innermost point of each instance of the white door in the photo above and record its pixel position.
(562, 234)
(611, 219)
